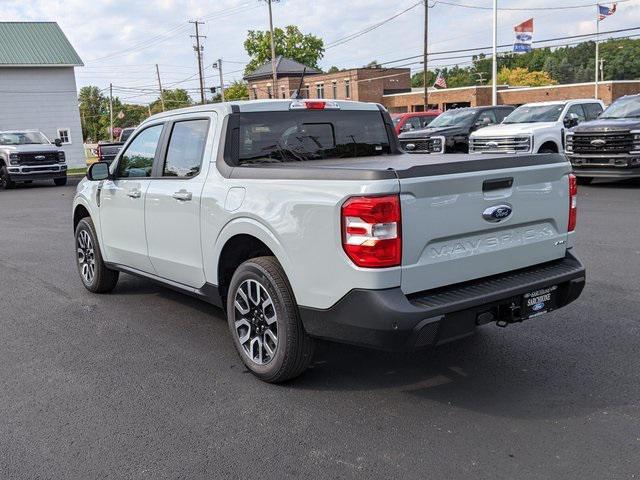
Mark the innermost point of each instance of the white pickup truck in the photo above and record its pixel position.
(535, 127)
(303, 219)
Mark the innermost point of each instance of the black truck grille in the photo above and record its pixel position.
(603, 142)
(38, 158)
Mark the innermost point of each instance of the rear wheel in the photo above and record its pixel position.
(5, 179)
(264, 322)
(547, 150)
(60, 182)
(95, 275)
(584, 180)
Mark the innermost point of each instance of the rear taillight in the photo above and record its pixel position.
(371, 234)
(314, 105)
(573, 199)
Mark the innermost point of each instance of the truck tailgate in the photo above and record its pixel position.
(448, 240)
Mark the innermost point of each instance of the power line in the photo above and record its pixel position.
(527, 9)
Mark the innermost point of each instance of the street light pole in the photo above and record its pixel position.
(219, 65)
(597, 64)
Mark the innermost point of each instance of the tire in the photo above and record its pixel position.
(5, 179)
(584, 180)
(60, 182)
(94, 274)
(254, 326)
(546, 150)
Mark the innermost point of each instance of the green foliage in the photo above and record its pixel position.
(178, 98)
(290, 42)
(92, 108)
(522, 77)
(333, 69)
(237, 91)
(572, 64)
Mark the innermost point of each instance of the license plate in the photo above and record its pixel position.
(539, 301)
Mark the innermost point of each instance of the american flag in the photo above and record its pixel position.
(604, 12)
(440, 81)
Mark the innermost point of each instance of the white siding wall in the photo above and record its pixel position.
(42, 99)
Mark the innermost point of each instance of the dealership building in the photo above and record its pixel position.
(38, 84)
(392, 88)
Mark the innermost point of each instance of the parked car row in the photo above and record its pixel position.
(599, 143)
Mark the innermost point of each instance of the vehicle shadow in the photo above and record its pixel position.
(523, 371)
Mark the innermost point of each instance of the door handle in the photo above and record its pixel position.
(183, 195)
(134, 193)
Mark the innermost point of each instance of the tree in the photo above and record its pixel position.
(333, 69)
(519, 76)
(291, 43)
(237, 91)
(178, 98)
(92, 109)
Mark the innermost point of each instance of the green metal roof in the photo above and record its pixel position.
(35, 43)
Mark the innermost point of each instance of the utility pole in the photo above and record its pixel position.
(149, 108)
(111, 111)
(159, 87)
(602, 69)
(198, 50)
(597, 47)
(494, 61)
(218, 65)
(274, 72)
(424, 55)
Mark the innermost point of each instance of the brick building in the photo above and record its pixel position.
(361, 84)
(481, 95)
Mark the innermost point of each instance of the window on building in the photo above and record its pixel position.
(320, 90)
(64, 135)
(186, 147)
(137, 159)
(283, 92)
(305, 91)
(334, 89)
(269, 92)
(255, 93)
(347, 89)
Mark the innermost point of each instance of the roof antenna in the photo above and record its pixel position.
(296, 93)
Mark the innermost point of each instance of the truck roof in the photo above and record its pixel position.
(273, 105)
(562, 102)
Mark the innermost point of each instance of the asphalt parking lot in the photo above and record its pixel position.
(144, 382)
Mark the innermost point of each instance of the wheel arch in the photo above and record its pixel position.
(549, 144)
(240, 240)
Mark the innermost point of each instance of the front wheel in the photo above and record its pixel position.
(95, 275)
(264, 322)
(5, 179)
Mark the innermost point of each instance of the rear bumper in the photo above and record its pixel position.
(37, 172)
(389, 320)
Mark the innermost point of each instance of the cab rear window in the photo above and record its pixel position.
(295, 136)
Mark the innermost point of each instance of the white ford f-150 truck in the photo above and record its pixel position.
(304, 220)
(534, 127)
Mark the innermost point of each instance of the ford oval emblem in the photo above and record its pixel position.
(492, 144)
(40, 157)
(538, 306)
(497, 213)
(598, 142)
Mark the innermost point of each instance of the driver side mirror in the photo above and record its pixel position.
(98, 171)
(571, 120)
(57, 142)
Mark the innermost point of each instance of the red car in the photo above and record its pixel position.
(405, 122)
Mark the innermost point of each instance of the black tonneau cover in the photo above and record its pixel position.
(392, 166)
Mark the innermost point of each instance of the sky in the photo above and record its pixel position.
(121, 41)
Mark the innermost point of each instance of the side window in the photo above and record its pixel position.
(487, 117)
(577, 111)
(414, 122)
(186, 148)
(426, 120)
(501, 114)
(137, 159)
(592, 110)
